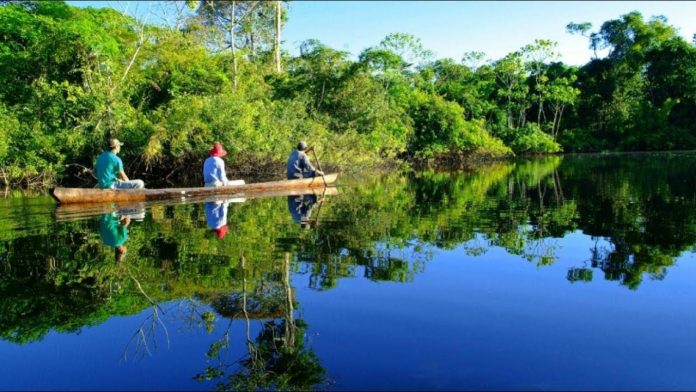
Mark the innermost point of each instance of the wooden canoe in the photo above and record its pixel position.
(94, 195)
(78, 211)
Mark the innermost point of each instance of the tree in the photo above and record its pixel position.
(408, 47)
(509, 73)
(535, 56)
(232, 19)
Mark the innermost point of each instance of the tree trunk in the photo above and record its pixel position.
(277, 36)
(553, 123)
(558, 124)
(251, 45)
(232, 46)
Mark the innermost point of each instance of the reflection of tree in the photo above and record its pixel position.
(277, 358)
(642, 210)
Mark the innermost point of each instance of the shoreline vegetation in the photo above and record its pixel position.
(72, 77)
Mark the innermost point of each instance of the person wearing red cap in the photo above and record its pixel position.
(214, 167)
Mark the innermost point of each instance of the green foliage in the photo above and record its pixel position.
(72, 77)
(440, 127)
(59, 276)
(530, 139)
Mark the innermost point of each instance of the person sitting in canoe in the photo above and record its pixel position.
(109, 168)
(298, 164)
(214, 167)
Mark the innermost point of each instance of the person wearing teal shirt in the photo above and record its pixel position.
(109, 168)
(114, 233)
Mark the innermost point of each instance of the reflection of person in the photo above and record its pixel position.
(299, 166)
(301, 208)
(114, 233)
(109, 169)
(216, 216)
(214, 167)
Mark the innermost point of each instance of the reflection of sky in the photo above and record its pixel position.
(498, 322)
(492, 321)
(92, 359)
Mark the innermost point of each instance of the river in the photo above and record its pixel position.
(563, 272)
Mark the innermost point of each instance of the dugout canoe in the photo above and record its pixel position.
(78, 211)
(94, 195)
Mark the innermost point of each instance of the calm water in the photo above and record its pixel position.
(558, 273)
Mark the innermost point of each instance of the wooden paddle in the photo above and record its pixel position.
(318, 164)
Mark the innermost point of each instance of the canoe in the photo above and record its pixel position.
(78, 211)
(94, 195)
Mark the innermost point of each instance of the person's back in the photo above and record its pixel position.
(107, 167)
(299, 166)
(109, 170)
(214, 167)
(295, 165)
(212, 174)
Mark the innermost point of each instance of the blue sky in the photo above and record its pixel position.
(451, 28)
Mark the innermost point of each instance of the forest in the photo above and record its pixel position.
(215, 71)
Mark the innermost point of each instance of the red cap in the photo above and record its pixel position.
(218, 151)
(221, 231)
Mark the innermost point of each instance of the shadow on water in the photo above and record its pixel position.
(222, 262)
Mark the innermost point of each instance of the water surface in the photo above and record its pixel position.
(574, 272)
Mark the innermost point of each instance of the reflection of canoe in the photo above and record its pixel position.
(87, 195)
(79, 211)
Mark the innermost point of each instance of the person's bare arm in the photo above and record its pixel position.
(122, 176)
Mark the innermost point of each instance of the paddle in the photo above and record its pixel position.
(318, 164)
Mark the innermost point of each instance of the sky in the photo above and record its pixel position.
(452, 28)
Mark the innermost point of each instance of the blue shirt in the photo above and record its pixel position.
(107, 167)
(299, 165)
(216, 214)
(214, 170)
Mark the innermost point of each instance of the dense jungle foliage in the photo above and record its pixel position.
(72, 77)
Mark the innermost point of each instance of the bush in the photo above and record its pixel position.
(532, 140)
(439, 127)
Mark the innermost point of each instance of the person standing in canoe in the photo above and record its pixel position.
(214, 167)
(109, 168)
(299, 166)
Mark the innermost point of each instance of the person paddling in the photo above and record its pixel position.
(214, 167)
(299, 166)
(109, 169)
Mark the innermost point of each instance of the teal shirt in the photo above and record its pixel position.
(107, 167)
(111, 231)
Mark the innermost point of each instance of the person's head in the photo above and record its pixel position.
(301, 146)
(115, 145)
(120, 253)
(217, 151)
